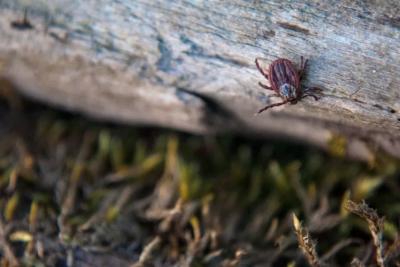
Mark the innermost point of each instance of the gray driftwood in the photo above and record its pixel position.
(189, 64)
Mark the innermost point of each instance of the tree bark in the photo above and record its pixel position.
(189, 64)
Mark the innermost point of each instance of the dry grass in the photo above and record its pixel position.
(306, 244)
(79, 193)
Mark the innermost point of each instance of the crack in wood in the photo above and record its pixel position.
(215, 112)
(391, 21)
(196, 50)
(387, 109)
(23, 24)
(164, 62)
(294, 27)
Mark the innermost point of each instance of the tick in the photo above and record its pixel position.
(285, 81)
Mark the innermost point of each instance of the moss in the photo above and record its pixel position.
(337, 145)
(210, 201)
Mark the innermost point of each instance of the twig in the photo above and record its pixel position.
(306, 244)
(235, 262)
(147, 252)
(375, 225)
(7, 251)
(356, 263)
(337, 247)
(68, 204)
(394, 250)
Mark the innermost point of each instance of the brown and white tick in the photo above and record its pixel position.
(285, 82)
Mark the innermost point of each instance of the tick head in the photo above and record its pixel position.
(288, 92)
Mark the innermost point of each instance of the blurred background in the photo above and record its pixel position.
(77, 192)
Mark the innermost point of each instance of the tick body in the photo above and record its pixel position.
(285, 81)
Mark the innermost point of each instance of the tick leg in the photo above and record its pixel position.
(312, 95)
(303, 65)
(312, 89)
(275, 95)
(271, 106)
(265, 86)
(260, 69)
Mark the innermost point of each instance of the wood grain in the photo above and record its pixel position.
(189, 64)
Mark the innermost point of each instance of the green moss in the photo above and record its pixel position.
(337, 145)
(125, 182)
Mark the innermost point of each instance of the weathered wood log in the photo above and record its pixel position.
(190, 64)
